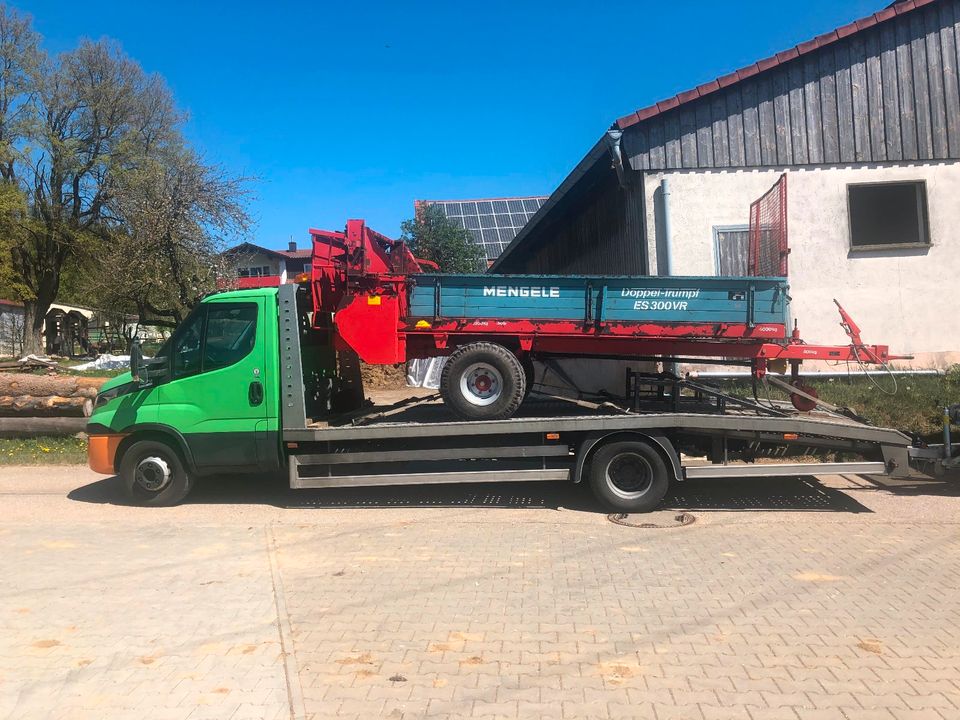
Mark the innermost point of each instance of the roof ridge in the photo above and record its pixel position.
(888, 13)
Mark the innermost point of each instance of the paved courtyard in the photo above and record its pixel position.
(793, 598)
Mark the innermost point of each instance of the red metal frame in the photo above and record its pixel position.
(769, 252)
(359, 285)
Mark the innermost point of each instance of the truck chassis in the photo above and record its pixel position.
(422, 444)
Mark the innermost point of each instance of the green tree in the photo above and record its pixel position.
(431, 235)
(98, 114)
(95, 147)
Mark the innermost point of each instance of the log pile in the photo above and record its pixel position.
(26, 394)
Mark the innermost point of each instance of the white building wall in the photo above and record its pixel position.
(906, 299)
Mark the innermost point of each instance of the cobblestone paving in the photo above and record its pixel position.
(114, 622)
(539, 620)
(257, 610)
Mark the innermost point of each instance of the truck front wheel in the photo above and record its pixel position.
(483, 381)
(153, 474)
(629, 476)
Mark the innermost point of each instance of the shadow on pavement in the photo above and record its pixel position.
(737, 494)
(793, 494)
(946, 486)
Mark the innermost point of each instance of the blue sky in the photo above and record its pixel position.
(356, 109)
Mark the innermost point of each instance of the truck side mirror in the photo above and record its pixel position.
(136, 360)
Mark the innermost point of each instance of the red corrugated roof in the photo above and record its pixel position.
(899, 8)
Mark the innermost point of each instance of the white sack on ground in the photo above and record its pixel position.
(425, 372)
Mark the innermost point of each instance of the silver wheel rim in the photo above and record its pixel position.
(481, 384)
(153, 474)
(629, 475)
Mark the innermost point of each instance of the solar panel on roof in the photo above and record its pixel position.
(493, 224)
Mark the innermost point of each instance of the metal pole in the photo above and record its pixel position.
(666, 266)
(947, 443)
(816, 374)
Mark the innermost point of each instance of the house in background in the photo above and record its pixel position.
(493, 222)
(250, 265)
(865, 122)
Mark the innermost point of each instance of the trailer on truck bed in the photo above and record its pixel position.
(370, 296)
(240, 387)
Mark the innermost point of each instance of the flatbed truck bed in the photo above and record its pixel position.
(425, 444)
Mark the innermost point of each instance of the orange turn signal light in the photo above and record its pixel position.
(553, 436)
(791, 436)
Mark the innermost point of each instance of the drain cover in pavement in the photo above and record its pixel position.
(652, 521)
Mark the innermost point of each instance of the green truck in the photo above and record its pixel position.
(246, 385)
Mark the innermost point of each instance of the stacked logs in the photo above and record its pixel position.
(26, 394)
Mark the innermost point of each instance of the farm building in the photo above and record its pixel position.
(863, 120)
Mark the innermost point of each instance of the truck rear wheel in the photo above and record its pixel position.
(153, 474)
(629, 476)
(483, 381)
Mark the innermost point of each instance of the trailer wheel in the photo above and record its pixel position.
(629, 476)
(529, 375)
(153, 474)
(483, 381)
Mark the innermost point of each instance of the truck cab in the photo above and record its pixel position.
(207, 403)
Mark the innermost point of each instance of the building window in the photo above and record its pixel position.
(731, 245)
(886, 216)
(261, 271)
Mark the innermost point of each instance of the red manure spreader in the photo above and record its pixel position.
(372, 299)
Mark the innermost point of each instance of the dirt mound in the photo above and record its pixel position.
(383, 377)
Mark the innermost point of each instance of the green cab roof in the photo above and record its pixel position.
(240, 294)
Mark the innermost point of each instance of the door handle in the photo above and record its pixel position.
(255, 393)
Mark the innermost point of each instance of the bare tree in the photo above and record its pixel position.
(20, 62)
(176, 213)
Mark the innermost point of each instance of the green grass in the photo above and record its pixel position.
(43, 451)
(916, 407)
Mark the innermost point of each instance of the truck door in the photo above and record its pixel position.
(216, 387)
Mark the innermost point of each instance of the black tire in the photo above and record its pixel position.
(529, 374)
(629, 476)
(483, 381)
(153, 474)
